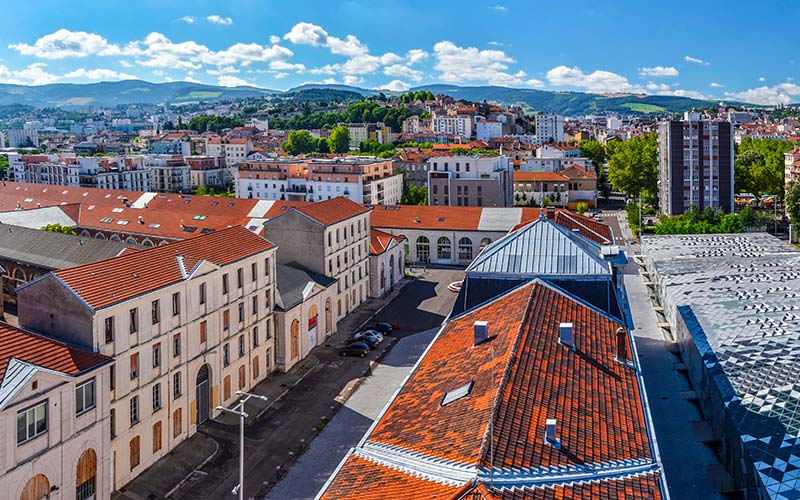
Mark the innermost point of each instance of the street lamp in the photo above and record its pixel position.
(239, 488)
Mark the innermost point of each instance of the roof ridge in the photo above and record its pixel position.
(569, 475)
(418, 464)
(568, 215)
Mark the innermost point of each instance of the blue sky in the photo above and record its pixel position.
(730, 49)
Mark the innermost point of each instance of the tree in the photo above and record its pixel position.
(414, 195)
(582, 207)
(322, 146)
(633, 168)
(759, 166)
(793, 201)
(300, 142)
(339, 140)
(58, 228)
(595, 152)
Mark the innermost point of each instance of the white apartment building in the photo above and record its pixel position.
(233, 150)
(457, 125)
(792, 166)
(19, 137)
(168, 173)
(549, 128)
(104, 172)
(488, 129)
(470, 181)
(331, 238)
(54, 411)
(361, 179)
(187, 325)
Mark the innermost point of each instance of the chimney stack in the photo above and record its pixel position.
(622, 346)
(550, 433)
(565, 336)
(481, 329)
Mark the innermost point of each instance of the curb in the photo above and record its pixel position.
(203, 464)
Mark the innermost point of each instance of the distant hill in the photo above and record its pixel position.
(322, 94)
(107, 94)
(344, 88)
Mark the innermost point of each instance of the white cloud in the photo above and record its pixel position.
(65, 43)
(330, 81)
(125, 64)
(761, 79)
(657, 87)
(279, 75)
(715, 85)
(224, 70)
(287, 66)
(217, 19)
(98, 74)
(187, 19)
(34, 74)
(350, 46)
(597, 81)
(361, 65)
(307, 34)
(459, 64)
(693, 94)
(403, 71)
(396, 86)
(499, 8)
(783, 93)
(191, 80)
(352, 80)
(695, 60)
(231, 81)
(416, 55)
(658, 71)
(274, 39)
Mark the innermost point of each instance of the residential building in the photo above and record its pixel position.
(386, 263)
(552, 164)
(540, 187)
(549, 128)
(168, 316)
(411, 125)
(234, 150)
(103, 172)
(303, 313)
(695, 165)
(364, 180)
(361, 132)
(54, 411)
(331, 238)
(457, 125)
(470, 180)
(168, 173)
(23, 138)
(488, 129)
(207, 171)
(2, 140)
(558, 151)
(792, 163)
(581, 186)
(170, 145)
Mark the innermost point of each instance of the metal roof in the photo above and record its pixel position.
(738, 296)
(53, 250)
(542, 248)
(37, 218)
(292, 282)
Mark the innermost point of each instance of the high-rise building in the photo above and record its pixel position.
(549, 128)
(695, 164)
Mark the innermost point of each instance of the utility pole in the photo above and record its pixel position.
(239, 488)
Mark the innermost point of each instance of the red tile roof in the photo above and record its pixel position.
(107, 282)
(332, 211)
(44, 351)
(578, 172)
(640, 487)
(426, 217)
(538, 177)
(379, 241)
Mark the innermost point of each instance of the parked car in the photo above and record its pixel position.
(382, 327)
(370, 340)
(356, 349)
(371, 333)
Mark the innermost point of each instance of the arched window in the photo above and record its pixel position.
(443, 249)
(100, 236)
(86, 234)
(295, 340)
(485, 243)
(115, 238)
(130, 241)
(147, 243)
(312, 317)
(37, 488)
(465, 249)
(86, 474)
(19, 275)
(328, 314)
(423, 249)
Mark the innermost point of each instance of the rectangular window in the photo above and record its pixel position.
(266, 261)
(155, 311)
(240, 278)
(202, 293)
(224, 284)
(226, 319)
(226, 355)
(176, 385)
(176, 345)
(241, 345)
(109, 329)
(268, 357)
(241, 312)
(254, 270)
(156, 436)
(177, 422)
(134, 452)
(269, 332)
(242, 377)
(255, 337)
(255, 305)
(134, 319)
(157, 355)
(176, 303)
(31, 422)
(112, 377)
(134, 366)
(84, 397)
(203, 332)
(112, 422)
(156, 397)
(134, 410)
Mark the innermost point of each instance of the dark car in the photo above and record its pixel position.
(382, 327)
(356, 349)
(370, 340)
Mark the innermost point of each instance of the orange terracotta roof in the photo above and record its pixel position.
(363, 479)
(538, 177)
(379, 241)
(426, 217)
(640, 487)
(108, 282)
(578, 172)
(44, 351)
(332, 211)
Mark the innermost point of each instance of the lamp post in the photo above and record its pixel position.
(239, 488)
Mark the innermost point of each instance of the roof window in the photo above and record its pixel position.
(199, 217)
(458, 393)
(106, 220)
(123, 222)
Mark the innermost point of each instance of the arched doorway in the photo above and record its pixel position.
(382, 277)
(313, 319)
(37, 488)
(391, 271)
(443, 249)
(423, 249)
(328, 314)
(465, 249)
(203, 393)
(295, 340)
(86, 476)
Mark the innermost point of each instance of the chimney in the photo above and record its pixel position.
(551, 212)
(622, 346)
(481, 332)
(565, 335)
(550, 433)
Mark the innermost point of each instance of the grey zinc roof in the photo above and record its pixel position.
(53, 250)
(541, 248)
(499, 219)
(36, 218)
(738, 296)
(293, 280)
(17, 375)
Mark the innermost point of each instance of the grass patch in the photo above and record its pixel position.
(641, 107)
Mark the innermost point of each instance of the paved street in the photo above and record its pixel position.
(309, 473)
(309, 401)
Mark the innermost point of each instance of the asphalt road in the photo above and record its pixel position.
(275, 441)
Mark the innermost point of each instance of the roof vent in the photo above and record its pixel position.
(550, 433)
(417, 220)
(565, 336)
(481, 329)
(622, 347)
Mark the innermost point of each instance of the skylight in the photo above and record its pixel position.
(123, 222)
(199, 217)
(117, 210)
(189, 229)
(457, 394)
(106, 220)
